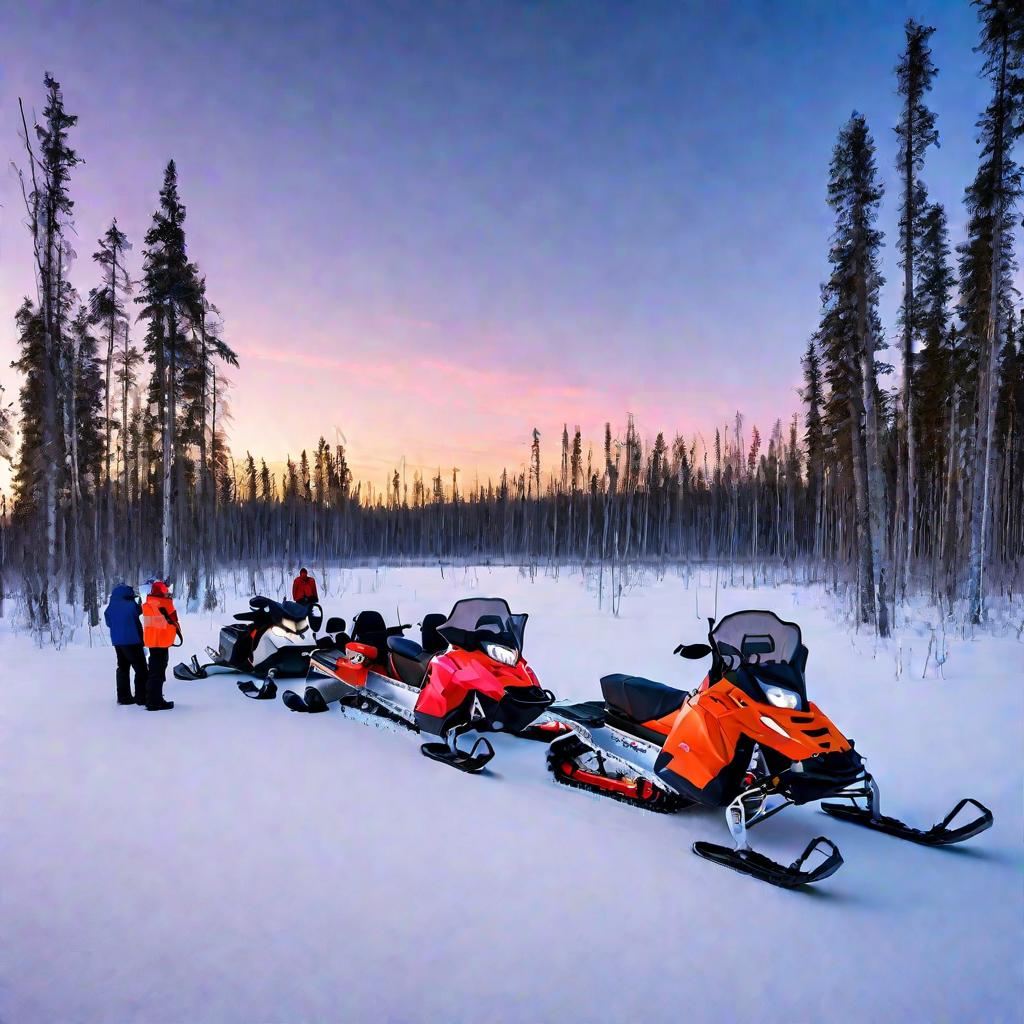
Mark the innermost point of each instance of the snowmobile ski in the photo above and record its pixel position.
(189, 671)
(310, 701)
(472, 761)
(938, 835)
(750, 862)
(268, 691)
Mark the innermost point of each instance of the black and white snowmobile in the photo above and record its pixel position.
(273, 638)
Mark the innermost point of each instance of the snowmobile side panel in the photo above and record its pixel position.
(750, 862)
(939, 834)
(704, 745)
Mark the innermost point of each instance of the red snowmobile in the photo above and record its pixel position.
(747, 739)
(467, 675)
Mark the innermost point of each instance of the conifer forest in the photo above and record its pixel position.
(894, 479)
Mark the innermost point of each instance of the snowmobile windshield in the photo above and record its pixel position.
(758, 637)
(476, 621)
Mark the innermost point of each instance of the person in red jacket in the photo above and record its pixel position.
(304, 589)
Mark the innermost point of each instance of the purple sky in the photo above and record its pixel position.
(434, 226)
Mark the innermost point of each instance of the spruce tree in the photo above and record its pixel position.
(170, 292)
(991, 202)
(916, 132)
(851, 337)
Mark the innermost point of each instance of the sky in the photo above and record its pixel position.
(430, 227)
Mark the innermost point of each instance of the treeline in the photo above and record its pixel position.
(123, 469)
(117, 444)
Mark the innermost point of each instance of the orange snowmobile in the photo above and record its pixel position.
(747, 739)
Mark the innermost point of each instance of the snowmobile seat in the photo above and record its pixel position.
(642, 700)
(432, 641)
(407, 648)
(409, 660)
(369, 628)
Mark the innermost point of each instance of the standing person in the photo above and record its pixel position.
(304, 589)
(123, 617)
(160, 628)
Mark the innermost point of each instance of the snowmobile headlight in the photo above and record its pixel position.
(781, 697)
(499, 653)
(278, 631)
(290, 625)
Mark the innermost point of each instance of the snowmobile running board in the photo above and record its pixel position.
(750, 862)
(311, 701)
(268, 691)
(938, 835)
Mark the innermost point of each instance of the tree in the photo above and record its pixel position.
(49, 207)
(991, 201)
(108, 314)
(170, 293)
(851, 325)
(916, 132)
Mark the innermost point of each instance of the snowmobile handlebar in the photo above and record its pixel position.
(692, 652)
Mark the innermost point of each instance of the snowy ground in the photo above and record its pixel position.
(231, 861)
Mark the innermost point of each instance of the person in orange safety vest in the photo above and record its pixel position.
(159, 631)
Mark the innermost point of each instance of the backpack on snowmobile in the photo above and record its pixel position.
(273, 637)
(747, 739)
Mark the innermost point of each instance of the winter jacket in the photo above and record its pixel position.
(123, 617)
(304, 589)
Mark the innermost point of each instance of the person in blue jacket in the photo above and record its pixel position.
(123, 617)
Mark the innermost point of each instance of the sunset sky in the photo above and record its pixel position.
(431, 227)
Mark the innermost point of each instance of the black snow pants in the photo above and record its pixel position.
(157, 675)
(129, 657)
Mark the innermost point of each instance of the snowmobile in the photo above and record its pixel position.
(467, 675)
(273, 638)
(747, 739)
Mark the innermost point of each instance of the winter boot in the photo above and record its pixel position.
(164, 705)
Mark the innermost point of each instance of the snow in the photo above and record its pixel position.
(231, 861)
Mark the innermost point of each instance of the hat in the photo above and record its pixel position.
(159, 589)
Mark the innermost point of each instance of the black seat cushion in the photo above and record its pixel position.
(641, 699)
(406, 648)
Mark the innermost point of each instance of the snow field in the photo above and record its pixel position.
(231, 861)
